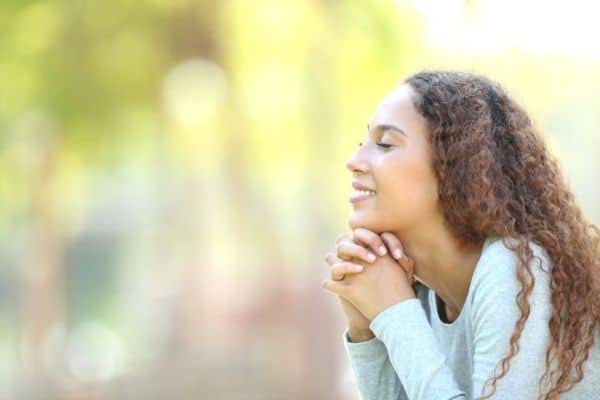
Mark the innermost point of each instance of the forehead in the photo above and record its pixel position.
(397, 108)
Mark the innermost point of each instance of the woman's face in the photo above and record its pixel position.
(400, 173)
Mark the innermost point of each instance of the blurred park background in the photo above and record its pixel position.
(172, 173)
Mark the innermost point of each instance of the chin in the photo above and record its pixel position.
(355, 220)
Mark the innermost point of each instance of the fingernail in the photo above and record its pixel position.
(382, 250)
(358, 268)
(398, 253)
(371, 257)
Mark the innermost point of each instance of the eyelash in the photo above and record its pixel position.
(384, 145)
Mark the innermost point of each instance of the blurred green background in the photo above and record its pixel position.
(172, 173)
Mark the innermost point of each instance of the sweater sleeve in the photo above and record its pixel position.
(375, 377)
(420, 364)
(414, 352)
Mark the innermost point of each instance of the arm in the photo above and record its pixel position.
(421, 365)
(375, 376)
(415, 353)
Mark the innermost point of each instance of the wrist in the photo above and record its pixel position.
(359, 335)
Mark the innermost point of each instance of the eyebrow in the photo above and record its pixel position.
(385, 127)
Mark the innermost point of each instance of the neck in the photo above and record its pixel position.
(442, 263)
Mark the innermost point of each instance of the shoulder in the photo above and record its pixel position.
(495, 282)
(499, 260)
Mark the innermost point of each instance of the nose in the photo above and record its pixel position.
(357, 164)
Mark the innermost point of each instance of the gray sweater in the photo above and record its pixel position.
(418, 355)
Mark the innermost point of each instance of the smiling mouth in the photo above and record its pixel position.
(360, 195)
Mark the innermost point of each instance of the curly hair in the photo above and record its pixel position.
(496, 177)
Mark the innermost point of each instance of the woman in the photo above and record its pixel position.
(471, 271)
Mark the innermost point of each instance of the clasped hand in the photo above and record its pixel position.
(364, 273)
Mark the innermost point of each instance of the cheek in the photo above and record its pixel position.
(411, 187)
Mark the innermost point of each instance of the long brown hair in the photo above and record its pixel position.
(497, 178)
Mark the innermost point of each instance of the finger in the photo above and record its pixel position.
(395, 247)
(408, 265)
(331, 258)
(339, 288)
(393, 244)
(347, 250)
(338, 271)
(343, 236)
(371, 239)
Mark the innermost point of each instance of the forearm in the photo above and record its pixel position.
(375, 377)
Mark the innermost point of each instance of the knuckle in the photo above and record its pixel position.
(340, 250)
(335, 272)
(394, 239)
(341, 269)
(352, 268)
(331, 259)
(369, 256)
(346, 250)
(369, 237)
(360, 234)
(389, 238)
(385, 238)
(387, 235)
(341, 238)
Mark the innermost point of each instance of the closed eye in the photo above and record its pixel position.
(384, 145)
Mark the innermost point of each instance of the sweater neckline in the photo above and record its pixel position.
(435, 299)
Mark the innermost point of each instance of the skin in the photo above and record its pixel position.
(405, 206)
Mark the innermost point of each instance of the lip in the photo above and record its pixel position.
(360, 197)
(354, 198)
